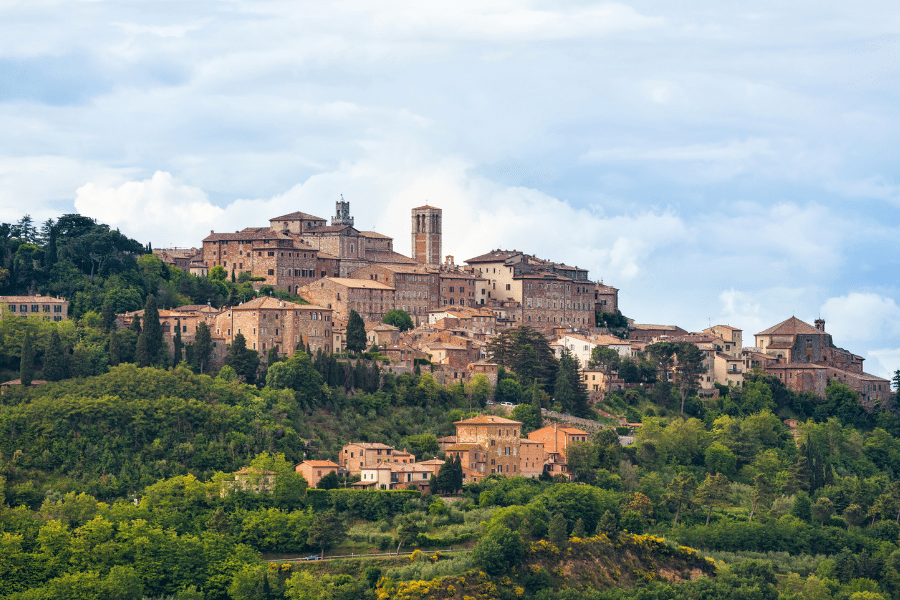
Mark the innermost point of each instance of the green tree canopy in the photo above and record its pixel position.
(356, 332)
(398, 318)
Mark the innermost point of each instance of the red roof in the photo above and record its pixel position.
(792, 326)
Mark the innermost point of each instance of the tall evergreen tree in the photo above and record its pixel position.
(26, 364)
(558, 531)
(108, 313)
(176, 347)
(570, 391)
(189, 355)
(115, 353)
(141, 356)
(896, 381)
(202, 347)
(244, 362)
(272, 356)
(458, 474)
(356, 332)
(55, 359)
(156, 348)
(527, 353)
(135, 324)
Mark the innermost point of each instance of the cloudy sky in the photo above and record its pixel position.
(719, 162)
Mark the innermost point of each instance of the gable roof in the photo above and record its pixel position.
(296, 216)
(792, 326)
(267, 302)
(487, 420)
(359, 283)
(494, 256)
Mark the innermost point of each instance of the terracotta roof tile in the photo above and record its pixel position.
(792, 326)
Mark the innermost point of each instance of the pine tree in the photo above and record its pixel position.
(356, 332)
(558, 531)
(115, 355)
(26, 364)
(578, 530)
(55, 359)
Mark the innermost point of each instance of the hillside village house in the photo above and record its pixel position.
(47, 308)
(272, 323)
(314, 470)
(498, 437)
(371, 299)
(555, 440)
(359, 455)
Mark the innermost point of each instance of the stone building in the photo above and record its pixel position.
(805, 359)
(555, 440)
(426, 235)
(416, 287)
(361, 455)
(730, 338)
(314, 470)
(532, 458)
(47, 308)
(653, 333)
(272, 323)
(281, 259)
(497, 436)
(606, 298)
(371, 299)
(457, 288)
(547, 293)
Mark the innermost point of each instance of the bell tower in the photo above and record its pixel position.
(342, 210)
(426, 235)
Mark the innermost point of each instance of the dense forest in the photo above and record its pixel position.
(117, 480)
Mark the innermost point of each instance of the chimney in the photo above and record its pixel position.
(820, 325)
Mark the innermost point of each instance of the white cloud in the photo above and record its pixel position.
(159, 209)
(861, 318)
(884, 362)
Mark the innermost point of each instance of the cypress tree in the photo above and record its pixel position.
(536, 404)
(26, 364)
(153, 332)
(189, 356)
(115, 355)
(202, 347)
(176, 350)
(135, 324)
(356, 333)
(272, 356)
(55, 359)
(141, 356)
(458, 475)
(108, 313)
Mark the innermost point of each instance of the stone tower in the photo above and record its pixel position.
(342, 213)
(426, 235)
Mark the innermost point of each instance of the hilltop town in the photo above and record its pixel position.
(457, 309)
